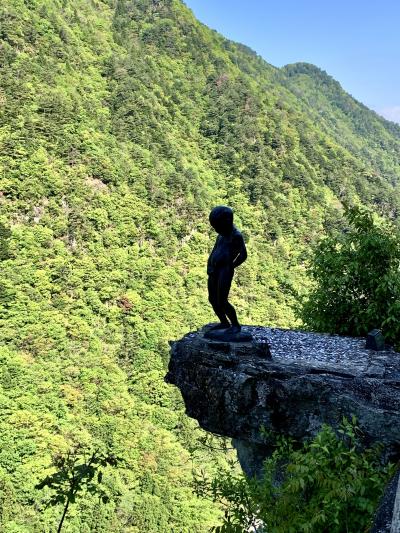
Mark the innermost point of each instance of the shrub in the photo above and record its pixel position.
(329, 485)
(357, 281)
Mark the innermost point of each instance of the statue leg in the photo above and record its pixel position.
(213, 299)
(224, 284)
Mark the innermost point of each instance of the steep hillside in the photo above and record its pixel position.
(365, 134)
(122, 122)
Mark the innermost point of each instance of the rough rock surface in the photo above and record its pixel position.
(311, 379)
(387, 519)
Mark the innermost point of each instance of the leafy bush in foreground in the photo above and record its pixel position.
(330, 485)
(357, 279)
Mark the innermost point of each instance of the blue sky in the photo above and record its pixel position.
(357, 42)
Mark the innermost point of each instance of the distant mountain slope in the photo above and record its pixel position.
(366, 134)
(122, 122)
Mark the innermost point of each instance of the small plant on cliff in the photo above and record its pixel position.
(357, 275)
(329, 484)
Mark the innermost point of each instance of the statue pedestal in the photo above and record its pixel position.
(224, 335)
(240, 343)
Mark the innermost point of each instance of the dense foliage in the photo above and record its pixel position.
(357, 279)
(326, 485)
(122, 122)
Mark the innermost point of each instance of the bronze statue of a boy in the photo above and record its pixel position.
(228, 253)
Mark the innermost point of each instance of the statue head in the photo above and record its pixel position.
(221, 219)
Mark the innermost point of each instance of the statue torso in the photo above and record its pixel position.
(223, 253)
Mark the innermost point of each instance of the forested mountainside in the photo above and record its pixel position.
(122, 122)
(367, 135)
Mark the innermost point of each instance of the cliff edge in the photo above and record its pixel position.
(303, 381)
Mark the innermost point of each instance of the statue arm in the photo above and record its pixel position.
(241, 252)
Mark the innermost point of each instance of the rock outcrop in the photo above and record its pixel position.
(235, 389)
(387, 519)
